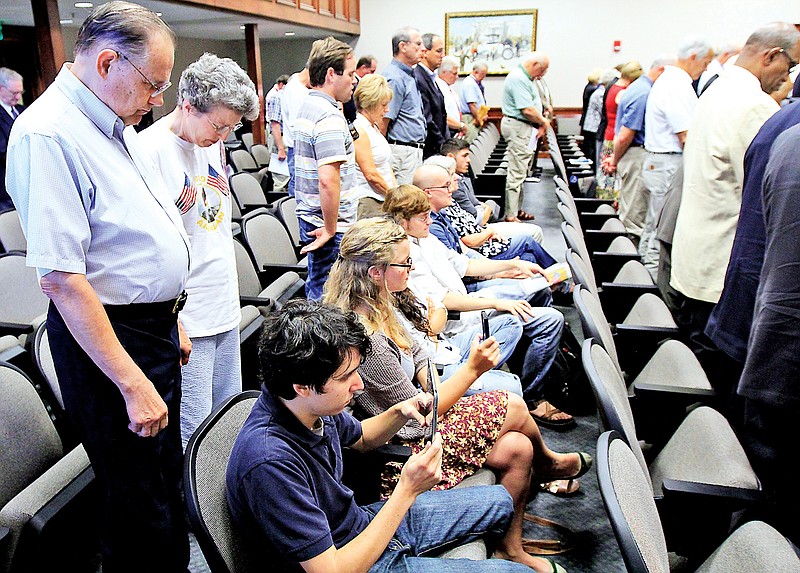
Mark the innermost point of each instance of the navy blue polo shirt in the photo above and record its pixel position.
(443, 229)
(285, 486)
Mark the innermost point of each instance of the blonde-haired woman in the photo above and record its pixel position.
(374, 175)
(492, 429)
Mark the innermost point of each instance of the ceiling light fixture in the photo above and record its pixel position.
(84, 5)
(65, 21)
(241, 27)
(158, 14)
(288, 33)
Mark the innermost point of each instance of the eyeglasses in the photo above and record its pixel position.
(792, 64)
(157, 90)
(406, 265)
(422, 218)
(439, 188)
(221, 129)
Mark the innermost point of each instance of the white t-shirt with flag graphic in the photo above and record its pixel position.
(196, 179)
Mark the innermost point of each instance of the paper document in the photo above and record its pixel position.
(281, 167)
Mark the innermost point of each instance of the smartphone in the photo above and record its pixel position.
(433, 391)
(485, 324)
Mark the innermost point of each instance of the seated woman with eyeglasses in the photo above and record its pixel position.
(492, 429)
(186, 145)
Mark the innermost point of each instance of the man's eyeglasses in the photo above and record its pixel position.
(439, 188)
(221, 129)
(157, 90)
(423, 218)
(792, 64)
(406, 265)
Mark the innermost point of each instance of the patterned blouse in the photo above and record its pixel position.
(465, 224)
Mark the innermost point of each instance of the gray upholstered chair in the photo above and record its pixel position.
(643, 308)
(635, 519)
(266, 296)
(286, 210)
(243, 162)
(606, 264)
(247, 191)
(260, 153)
(47, 506)
(651, 359)
(247, 139)
(11, 236)
(270, 244)
(21, 313)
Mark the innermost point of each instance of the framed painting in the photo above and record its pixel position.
(499, 38)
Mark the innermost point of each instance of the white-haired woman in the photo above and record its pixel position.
(213, 95)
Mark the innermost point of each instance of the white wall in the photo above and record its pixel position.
(578, 35)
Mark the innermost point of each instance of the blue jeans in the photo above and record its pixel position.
(440, 520)
(507, 330)
(526, 249)
(319, 261)
(290, 165)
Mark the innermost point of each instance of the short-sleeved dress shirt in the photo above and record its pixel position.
(632, 106)
(90, 199)
(471, 93)
(670, 108)
(406, 114)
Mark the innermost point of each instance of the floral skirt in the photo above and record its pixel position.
(608, 186)
(469, 431)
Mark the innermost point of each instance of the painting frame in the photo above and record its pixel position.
(497, 37)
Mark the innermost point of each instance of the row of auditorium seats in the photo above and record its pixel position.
(672, 472)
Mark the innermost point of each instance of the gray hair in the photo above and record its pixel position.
(536, 58)
(774, 35)
(121, 25)
(445, 162)
(8, 75)
(449, 64)
(402, 35)
(480, 65)
(608, 75)
(663, 60)
(427, 39)
(697, 47)
(213, 81)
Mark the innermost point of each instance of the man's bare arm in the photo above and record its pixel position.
(84, 315)
(277, 137)
(329, 188)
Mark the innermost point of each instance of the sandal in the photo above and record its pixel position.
(561, 487)
(566, 542)
(523, 216)
(548, 418)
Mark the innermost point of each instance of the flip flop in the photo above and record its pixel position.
(523, 216)
(548, 419)
(561, 487)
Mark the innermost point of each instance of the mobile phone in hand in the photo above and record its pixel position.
(485, 324)
(430, 431)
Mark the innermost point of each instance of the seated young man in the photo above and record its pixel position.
(284, 475)
(437, 276)
(464, 195)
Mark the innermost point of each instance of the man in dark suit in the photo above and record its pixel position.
(10, 107)
(366, 65)
(432, 97)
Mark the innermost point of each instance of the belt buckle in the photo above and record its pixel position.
(180, 302)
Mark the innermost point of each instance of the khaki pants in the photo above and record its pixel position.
(369, 207)
(633, 196)
(405, 160)
(519, 154)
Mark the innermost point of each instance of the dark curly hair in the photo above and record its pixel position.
(305, 343)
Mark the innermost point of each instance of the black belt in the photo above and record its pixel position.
(147, 309)
(636, 145)
(407, 143)
(536, 125)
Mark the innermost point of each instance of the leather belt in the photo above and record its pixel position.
(406, 143)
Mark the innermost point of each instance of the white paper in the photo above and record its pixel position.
(281, 167)
(532, 144)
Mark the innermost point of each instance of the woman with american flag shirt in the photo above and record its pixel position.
(186, 145)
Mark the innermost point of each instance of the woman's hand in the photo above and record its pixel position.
(484, 355)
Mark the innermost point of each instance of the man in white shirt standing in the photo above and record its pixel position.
(11, 103)
(292, 97)
(447, 76)
(728, 116)
(721, 62)
(670, 107)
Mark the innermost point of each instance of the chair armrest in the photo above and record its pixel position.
(256, 301)
(272, 271)
(362, 470)
(617, 299)
(15, 328)
(453, 315)
(252, 328)
(637, 344)
(723, 494)
(606, 265)
(593, 220)
(599, 241)
(590, 204)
